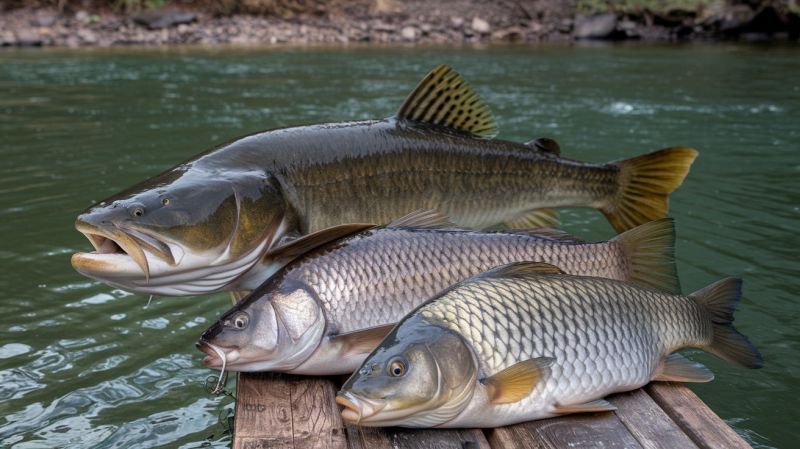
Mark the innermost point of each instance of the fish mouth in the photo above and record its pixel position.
(115, 247)
(357, 409)
(217, 356)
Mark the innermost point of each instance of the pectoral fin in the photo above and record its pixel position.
(536, 218)
(600, 405)
(361, 341)
(677, 368)
(517, 381)
(301, 245)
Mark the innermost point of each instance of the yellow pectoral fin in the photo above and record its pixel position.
(600, 405)
(517, 381)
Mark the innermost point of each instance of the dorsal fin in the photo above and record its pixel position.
(443, 98)
(423, 218)
(301, 245)
(519, 269)
(545, 145)
(550, 233)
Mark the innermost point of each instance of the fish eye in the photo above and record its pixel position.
(137, 211)
(240, 321)
(165, 201)
(397, 367)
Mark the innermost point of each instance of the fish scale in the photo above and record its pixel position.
(413, 264)
(604, 335)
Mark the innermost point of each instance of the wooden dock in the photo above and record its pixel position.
(282, 411)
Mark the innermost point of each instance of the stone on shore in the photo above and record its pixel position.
(599, 26)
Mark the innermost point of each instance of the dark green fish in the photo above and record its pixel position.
(221, 220)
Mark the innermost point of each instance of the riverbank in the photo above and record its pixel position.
(387, 21)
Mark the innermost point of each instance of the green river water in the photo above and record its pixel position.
(85, 365)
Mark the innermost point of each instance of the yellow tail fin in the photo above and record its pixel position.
(645, 183)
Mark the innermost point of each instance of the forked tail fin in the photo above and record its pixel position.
(650, 252)
(719, 300)
(645, 183)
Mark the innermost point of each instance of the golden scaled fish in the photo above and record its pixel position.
(525, 341)
(328, 309)
(220, 220)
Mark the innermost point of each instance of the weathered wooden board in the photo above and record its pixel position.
(280, 411)
(588, 430)
(393, 437)
(699, 422)
(648, 423)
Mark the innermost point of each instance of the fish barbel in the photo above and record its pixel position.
(325, 311)
(525, 341)
(220, 221)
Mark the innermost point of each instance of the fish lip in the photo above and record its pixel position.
(212, 359)
(357, 409)
(118, 240)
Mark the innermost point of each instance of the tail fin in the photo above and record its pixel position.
(720, 300)
(644, 185)
(650, 251)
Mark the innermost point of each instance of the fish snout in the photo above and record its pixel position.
(215, 353)
(356, 408)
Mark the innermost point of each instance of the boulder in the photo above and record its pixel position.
(598, 26)
(156, 20)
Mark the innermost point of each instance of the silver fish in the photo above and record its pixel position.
(525, 341)
(326, 311)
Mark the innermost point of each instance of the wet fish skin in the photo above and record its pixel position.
(219, 221)
(586, 337)
(375, 277)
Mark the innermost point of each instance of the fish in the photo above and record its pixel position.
(223, 220)
(526, 341)
(324, 312)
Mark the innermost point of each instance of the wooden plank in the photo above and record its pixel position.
(648, 423)
(263, 416)
(398, 438)
(281, 411)
(587, 430)
(694, 417)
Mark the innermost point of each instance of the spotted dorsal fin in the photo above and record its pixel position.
(423, 219)
(443, 98)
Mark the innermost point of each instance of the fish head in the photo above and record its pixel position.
(272, 330)
(420, 376)
(182, 234)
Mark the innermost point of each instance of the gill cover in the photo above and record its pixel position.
(422, 375)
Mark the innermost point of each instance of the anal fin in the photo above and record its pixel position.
(535, 218)
(677, 368)
(599, 405)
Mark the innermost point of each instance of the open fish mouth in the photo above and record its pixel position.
(118, 251)
(217, 357)
(357, 409)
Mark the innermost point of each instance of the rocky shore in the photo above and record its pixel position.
(384, 22)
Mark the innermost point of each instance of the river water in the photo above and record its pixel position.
(85, 365)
